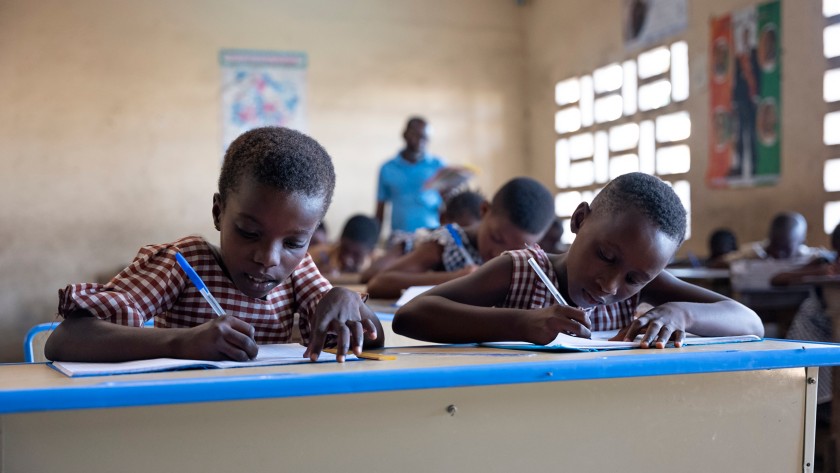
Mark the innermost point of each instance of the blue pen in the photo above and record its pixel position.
(199, 284)
(460, 243)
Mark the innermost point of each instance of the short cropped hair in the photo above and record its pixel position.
(284, 159)
(361, 229)
(723, 241)
(466, 203)
(651, 196)
(526, 203)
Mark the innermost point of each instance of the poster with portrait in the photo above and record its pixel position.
(262, 88)
(648, 22)
(744, 148)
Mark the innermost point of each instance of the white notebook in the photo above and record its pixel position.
(277, 354)
(600, 341)
(411, 293)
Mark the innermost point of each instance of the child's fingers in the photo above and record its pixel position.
(679, 338)
(370, 329)
(635, 328)
(357, 332)
(316, 343)
(241, 342)
(343, 338)
(651, 333)
(239, 325)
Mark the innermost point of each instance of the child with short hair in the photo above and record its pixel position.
(351, 254)
(624, 240)
(463, 208)
(274, 188)
(517, 216)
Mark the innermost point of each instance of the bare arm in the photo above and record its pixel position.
(381, 263)
(380, 212)
(421, 267)
(462, 311)
(83, 337)
(680, 307)
(817, 267)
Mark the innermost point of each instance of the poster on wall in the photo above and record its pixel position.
(261, 88)
(745, 109)
(648, 22)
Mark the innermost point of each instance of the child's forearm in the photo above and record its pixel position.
(390, 284)
(723, 318)
(85, 338)
(438, 319)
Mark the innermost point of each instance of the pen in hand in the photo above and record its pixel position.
(199, 284)
(544, 278)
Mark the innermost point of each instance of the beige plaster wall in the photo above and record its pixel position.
(573, 37)
(110, 116)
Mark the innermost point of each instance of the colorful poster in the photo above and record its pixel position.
(745, 106)
(261, 88)
(648, 22)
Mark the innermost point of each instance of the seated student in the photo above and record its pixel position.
(811, 322)
(320, 236)
(551, 240)
(517, 216)
(624, 240)
(721, 243)
(274, 188)
(463, 209)
(351, 254)
(785, 240)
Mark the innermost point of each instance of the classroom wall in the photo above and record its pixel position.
(573, 37)
(110, 131)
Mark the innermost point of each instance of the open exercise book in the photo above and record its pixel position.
(277, 354)
(600, 341)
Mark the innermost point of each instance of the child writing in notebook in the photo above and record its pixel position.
(517, 216)
(274, 188)
(624, 240)
(352, 253)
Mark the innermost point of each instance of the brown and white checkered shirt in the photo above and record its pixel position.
(154, 286)
(527, 291)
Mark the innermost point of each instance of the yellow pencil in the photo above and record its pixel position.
(366, 355)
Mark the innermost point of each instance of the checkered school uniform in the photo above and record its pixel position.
(155, 286)
(527, 291)
(452, 257)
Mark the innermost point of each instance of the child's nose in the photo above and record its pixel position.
(268, 255)
(609, 284)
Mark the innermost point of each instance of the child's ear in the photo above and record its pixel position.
(217, 211)
(581, 212)
(485, 207)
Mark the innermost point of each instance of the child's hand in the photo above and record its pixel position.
(660, 324)
(543, 327)
(341, 312)
(223, 338)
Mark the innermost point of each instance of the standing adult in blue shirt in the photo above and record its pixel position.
(401, 183)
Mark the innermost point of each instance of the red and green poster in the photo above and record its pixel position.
(745, 97)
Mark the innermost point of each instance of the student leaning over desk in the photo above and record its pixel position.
(518, 215)
(274, 188)
(624, 240)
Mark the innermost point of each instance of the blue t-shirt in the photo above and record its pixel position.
(401, 184)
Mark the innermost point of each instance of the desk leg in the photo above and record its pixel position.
(831, 293)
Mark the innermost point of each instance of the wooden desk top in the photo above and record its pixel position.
(37, 387)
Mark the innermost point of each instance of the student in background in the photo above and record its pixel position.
(785, 240)
(352, 252)
(401, 182)
(551, 240)
(811, 322)
(624, 240)
(274, 188)
(517, 216)
(463, 209)
(320, 236)
(721, 243)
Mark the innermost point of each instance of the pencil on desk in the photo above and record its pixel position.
(366, 355)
